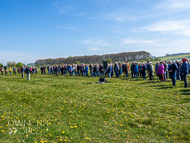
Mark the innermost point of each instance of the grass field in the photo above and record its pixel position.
(178, 57)
(75, 109)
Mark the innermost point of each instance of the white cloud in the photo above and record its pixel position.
(137, 41)
(95, 42)
(94, 49)
(171, 26)
(119, 15)
(61, 27)
(181, 5)
(62, 8)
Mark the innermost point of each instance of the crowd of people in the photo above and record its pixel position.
(177, 70)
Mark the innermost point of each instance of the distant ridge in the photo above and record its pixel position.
(177, 54)
(125, 56)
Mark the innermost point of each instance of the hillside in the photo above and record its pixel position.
(177, 57)
(126, 56)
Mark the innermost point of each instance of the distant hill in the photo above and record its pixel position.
(174, 57)
(126, 56)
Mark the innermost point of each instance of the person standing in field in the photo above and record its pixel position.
(78, 69)
(14, 71)
(10, 70)
(132, 69)
(184, 71)
(28, 73)
(136, 70)
(116, 69)
(149, 70)
(18, 69)
(173, 71)
(156, 67)
(160, 72)
(178, 74)
(2, 70)
(22, 71)
(143, 71)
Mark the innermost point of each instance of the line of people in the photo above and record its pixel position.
(164, 70)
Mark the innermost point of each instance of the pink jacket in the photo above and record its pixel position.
(160, 69)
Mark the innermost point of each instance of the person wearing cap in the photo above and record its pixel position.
(184, 71)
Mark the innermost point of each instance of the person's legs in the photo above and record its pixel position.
(165, 76)
(150, 75)
(185, 80)
(174, 79)
(178, 76)
(181, 77)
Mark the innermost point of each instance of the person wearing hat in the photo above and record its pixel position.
(184, 71)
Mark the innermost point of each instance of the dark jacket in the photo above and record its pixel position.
(149, 68)
(174, 68)
(184, 68)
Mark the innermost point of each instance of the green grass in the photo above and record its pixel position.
(75, 109)
(177, 57)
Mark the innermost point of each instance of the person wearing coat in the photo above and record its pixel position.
(136, 70)
(184, 71)
(160, 72)
(28, 73)
(149, 70)
(116, 69)
(174, 69)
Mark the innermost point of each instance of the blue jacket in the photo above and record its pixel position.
(86, 68)
(136, 68)
(184, 68)
(111, 68)
(69, 68)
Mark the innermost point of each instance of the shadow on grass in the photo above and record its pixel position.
(185, 92)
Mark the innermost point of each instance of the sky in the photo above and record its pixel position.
(38, 29)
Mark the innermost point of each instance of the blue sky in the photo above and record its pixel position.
(37, 29)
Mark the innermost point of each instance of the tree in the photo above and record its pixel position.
(13, 64)
(77, 62)
(38, 65)
(156, 59)
(1, 65)
(109, 60)
(9, 64)
(19, 64)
